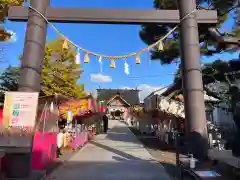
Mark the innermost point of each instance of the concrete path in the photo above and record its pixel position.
(117, 155)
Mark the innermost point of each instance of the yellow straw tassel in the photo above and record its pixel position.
(160, 46)
(65, 45)
(86, 58)
(113, 64)
(138, 61)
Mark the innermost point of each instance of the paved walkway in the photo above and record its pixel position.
(117, 155)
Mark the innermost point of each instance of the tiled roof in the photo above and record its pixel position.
(129, 95)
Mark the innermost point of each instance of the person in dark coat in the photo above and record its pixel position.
(105, 123)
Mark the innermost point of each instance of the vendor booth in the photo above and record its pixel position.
(45, 138)
(81, 118)
(28, 132)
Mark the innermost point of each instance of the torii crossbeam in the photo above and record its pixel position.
(35, 40)
(111, 16)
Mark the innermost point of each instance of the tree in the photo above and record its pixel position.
(151, 33)
(4, 35)
(227, 73)
(220, 78)
(60, 74)
(8, 80)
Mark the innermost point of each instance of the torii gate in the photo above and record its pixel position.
(35, 40)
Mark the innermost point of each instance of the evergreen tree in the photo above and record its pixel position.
(152, 33)
(8, 80)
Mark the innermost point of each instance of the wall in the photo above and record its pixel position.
(151, 103)
(224, 122)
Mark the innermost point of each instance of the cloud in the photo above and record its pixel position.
(100, 78)
(13, 36)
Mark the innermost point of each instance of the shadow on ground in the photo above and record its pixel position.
(162, 152)
(120, 134)
(115, 151)
(128, 159)
(166, 155)
(118, 170)
(67, 154)
(151, 141)
(122, 166)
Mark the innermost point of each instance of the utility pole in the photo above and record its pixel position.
(192, 80)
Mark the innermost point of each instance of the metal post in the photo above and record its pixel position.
(33, 54)
(192, 81)
(30, 78)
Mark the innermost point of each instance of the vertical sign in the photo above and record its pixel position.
(19, 111)
(21, 108)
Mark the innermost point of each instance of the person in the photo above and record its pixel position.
(60, 141)
(105, 123)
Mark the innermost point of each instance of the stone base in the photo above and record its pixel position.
(18, 165)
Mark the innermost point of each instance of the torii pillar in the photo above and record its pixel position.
(194, 104)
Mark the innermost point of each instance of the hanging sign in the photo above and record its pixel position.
(76, 106)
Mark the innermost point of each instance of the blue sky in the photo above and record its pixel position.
(108, 40)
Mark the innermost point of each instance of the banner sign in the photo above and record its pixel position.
(19, 117)
(76, 107)
(20, 109)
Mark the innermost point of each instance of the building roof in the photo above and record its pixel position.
(119, 97)
(176, 88)
(131, 96)
(159, 92)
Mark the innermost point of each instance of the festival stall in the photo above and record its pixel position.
(45, 138)
(81, 116)
(29, 126)
(169, 115)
